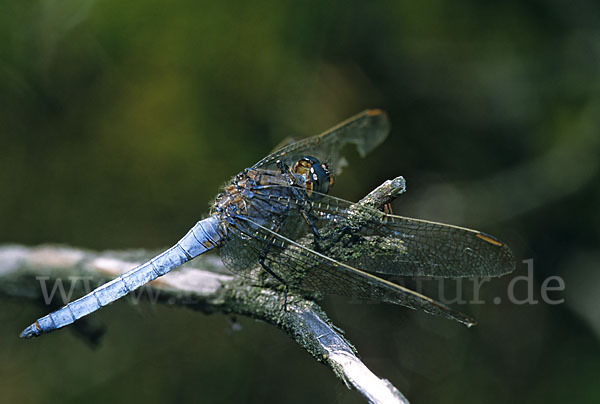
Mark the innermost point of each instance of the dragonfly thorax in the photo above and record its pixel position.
(308, 173)
(240, 196)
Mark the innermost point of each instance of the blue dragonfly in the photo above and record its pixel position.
(276, 218)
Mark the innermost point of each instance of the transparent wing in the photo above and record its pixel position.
(376, 242)
(306, 269)
(366, 130)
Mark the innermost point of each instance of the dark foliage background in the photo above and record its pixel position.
(120, 121)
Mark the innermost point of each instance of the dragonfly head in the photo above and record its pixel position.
(317, 175)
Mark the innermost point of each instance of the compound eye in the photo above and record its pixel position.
(317, 175)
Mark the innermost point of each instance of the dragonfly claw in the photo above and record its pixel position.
(32, 331)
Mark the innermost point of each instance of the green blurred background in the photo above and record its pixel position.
(121, 120)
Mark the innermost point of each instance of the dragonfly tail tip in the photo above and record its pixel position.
(32, 331)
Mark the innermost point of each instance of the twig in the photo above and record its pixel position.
(203, 285)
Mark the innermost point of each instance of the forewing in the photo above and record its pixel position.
(366, 130)
(373, 241)
(303, 268)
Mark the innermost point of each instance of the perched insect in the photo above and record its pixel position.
(276, 216)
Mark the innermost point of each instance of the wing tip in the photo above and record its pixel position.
(377, 113)
(380, 120)
(490, 239)
(374, 112)
(508, 263)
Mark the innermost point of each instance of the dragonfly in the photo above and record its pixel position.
(277, 218)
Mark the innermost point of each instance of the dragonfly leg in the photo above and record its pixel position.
(387, 209)
(285, 170)
(318, 238)
(261, 261)
(315, 231)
